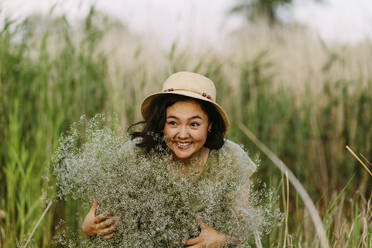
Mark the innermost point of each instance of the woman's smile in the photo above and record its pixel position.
(183, 145)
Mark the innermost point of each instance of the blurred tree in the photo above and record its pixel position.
(253, 9)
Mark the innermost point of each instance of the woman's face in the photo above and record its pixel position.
(186, 128)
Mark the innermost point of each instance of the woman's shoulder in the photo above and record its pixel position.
(240, 157)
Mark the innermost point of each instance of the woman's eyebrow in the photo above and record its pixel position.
(193, 117)
(196, 117)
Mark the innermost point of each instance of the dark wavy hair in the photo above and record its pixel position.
(152, 137)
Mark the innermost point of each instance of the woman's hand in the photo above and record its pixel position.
(99, 225)
(208, 238)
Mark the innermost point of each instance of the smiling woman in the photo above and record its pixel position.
(182, 87)
(186, 129)
(174, 176)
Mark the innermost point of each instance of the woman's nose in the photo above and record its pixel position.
(183, 133)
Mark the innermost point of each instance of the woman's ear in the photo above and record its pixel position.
(210, 127)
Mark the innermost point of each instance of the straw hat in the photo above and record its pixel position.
(188, 84)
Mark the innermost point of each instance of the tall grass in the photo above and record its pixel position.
(304, 99)
(41, 94)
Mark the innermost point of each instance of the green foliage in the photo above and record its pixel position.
(40, 96)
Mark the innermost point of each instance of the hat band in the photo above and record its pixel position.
(190, 90)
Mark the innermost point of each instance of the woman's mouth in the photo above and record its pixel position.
(183, 145)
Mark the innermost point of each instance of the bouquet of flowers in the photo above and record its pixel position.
(157, 206)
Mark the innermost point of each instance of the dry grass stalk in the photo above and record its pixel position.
(296, 184)
(360, 161)
(257, 239)
(37, 224)
(369, 163)
(286, 205)
(2, 214)
(349, 236)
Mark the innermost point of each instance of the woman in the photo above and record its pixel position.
(184, 119)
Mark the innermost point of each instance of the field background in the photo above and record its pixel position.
(304, 98)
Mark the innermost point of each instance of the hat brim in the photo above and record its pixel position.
(148, 100)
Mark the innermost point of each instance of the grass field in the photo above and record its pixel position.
(304, 99)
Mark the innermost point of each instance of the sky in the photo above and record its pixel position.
(167, 21)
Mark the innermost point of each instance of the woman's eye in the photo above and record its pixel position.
(195, 124)
(172, 123)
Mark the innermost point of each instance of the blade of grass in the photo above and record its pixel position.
(286, 211)
(296, 184)
(257, 239)
(37, 224)
(369, 163)
(356, 230)
(360, 161)
(333, 203)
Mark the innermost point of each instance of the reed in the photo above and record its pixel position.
(297, 185)
(359, 160)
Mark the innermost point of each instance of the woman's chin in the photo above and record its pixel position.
(183, 153)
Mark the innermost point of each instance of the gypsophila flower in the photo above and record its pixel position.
(157, 205)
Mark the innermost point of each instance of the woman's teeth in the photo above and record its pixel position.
(183, 145)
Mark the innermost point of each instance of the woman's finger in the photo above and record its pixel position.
(93, 209)
(106, 231)
(201, 223)
(108, 236)
(95, 203)
(198, 246)
(193, 241)
(105, 224)
(108, 222)
(101, 217)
